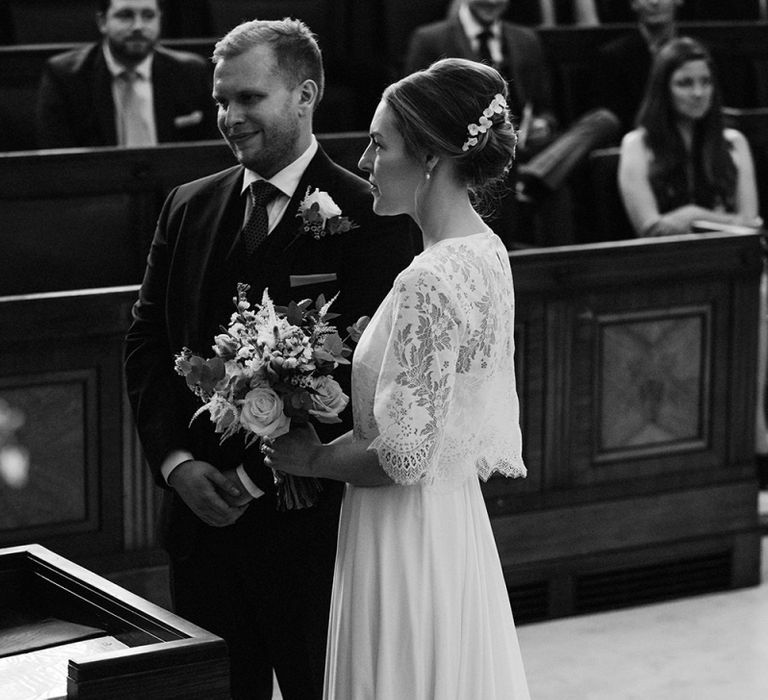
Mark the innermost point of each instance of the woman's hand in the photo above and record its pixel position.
(752, 221)
(681, 219)
(295, 452)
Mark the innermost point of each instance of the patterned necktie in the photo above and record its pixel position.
(484, 46)
(133, 118)
(257, 227)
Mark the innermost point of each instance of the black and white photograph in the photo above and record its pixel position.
(383, 350)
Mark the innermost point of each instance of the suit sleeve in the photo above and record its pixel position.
(539, 85)
(160, 408)
(203, 79)
(420, 53)
(52, 128)
(376, 257)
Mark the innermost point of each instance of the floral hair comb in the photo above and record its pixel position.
(497, 106)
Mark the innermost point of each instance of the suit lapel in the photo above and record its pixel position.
(288, 233)
(207, 287)
(514, 61)
(104, 104)
(163, 91)
(461, 41)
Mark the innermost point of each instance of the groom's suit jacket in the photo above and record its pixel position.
(186, 297)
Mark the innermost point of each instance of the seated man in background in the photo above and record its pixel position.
(625, 62)
(125, 90)
(477, 32)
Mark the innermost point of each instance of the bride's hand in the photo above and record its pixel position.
(293, 453)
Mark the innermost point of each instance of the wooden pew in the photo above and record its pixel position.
(609, 218)
(637, 382)
(356, 74)
(81, 218)
(739, 49)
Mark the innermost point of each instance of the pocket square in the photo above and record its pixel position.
(318, 278)
(184, 120)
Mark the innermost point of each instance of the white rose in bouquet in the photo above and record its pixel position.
(262, 413)
(328, 400)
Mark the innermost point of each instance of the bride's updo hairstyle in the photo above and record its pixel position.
(439, 111)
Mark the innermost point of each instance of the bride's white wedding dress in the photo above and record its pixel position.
(420, 610)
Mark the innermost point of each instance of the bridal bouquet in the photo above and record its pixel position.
(272, 365)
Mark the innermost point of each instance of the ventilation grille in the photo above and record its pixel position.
(651, 583)
(529, 602)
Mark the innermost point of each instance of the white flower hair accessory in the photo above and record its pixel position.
(497, 106)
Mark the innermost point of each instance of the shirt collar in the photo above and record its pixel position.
(472, 27)
(286, 180)
(143, 69)
(655, 42)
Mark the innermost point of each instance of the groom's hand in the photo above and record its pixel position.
(199, 484)
(244, 497)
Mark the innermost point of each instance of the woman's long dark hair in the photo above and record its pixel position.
(710, 161)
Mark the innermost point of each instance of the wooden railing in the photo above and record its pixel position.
(370, 49)
(81, 218)
(636, 362)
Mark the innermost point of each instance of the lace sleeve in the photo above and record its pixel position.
(417, 376)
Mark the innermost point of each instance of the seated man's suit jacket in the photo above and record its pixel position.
(187, 295)
(75, 107)
(528, 81)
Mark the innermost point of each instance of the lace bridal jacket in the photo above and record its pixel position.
(420, 610)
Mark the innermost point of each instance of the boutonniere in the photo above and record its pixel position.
(321, 216)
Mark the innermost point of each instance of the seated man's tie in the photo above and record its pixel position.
(133, 127)
(484, 47)
(257, 227)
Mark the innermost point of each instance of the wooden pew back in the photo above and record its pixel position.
(356, 75)
(636, 376)
(739, 49)
(78, 218)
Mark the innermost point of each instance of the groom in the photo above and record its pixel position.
(256, 575)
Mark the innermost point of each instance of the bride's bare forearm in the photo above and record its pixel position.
(350, 460)
(347, 437)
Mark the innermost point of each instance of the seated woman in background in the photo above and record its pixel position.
(681, 164)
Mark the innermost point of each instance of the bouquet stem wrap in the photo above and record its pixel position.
(296, 492)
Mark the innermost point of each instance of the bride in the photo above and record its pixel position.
(420, 609)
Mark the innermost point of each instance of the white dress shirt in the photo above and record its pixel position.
(472, 28)
(287, 180)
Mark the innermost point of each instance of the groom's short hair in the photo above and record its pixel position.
(295, 47)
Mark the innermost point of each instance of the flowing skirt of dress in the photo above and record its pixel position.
(419, 607)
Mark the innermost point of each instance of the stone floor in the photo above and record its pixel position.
(708, 647)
